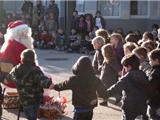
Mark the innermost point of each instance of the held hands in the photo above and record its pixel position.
(51, 86)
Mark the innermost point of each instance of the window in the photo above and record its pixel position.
(139, 8)
(80, 5)
(109, 7)
(86, 6)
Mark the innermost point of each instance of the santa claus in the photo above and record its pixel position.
(17, 38)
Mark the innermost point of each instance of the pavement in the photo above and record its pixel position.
(58, 65)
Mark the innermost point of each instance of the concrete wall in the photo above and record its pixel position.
(128, 22)
(131, 24)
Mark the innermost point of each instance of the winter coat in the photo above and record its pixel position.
(97, 61)
(109, 73)
(154, 81)
(134, 85)
(30, 82)
(102, 22)
(145, 66)
(83, 90)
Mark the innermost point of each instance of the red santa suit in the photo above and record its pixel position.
(17, 39)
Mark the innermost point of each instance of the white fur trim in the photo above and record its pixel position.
(19, 27)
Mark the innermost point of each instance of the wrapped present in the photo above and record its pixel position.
(11, 100)
(52, 108)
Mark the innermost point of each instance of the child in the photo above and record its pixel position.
(89, 23)
(103, 33)
(131, 37)
(74, 41)
(97, 43)
(83, 81)
(154, 80)
(141, 53)
(133, 85)
(86, 45)
(110, 68)
(117, 41)
(30, 82)
(129, 47)
(44, 39)
(146, 36)
(60, 40)
(149, 45)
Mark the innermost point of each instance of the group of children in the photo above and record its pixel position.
(128, 63)
(137, 87)
(83, 29)
(136, 75)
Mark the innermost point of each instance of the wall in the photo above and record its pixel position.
(132, 24)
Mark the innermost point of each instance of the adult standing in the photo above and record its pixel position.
(27, 11)
(27, 8)
(75, 18)
(53, 9)
(99, 20)
(38, 13)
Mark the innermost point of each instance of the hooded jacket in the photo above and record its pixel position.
(133, 85)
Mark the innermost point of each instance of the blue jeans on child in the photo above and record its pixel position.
(82, 113)
(31, 111)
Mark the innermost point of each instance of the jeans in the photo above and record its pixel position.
(83, 115)
(31, 111)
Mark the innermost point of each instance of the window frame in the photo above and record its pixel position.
(142, 16)
(110, 17)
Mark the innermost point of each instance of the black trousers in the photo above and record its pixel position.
(83, 115)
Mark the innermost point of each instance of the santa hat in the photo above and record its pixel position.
(17, 25)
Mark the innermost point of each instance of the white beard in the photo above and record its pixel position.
(22, 36)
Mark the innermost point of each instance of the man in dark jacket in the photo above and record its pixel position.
(134, 85)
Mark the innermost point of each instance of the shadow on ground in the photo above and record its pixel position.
(113, 106)
(15, 111)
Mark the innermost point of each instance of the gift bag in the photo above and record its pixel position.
(52, 108)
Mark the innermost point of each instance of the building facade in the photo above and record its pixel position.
(127, 14)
